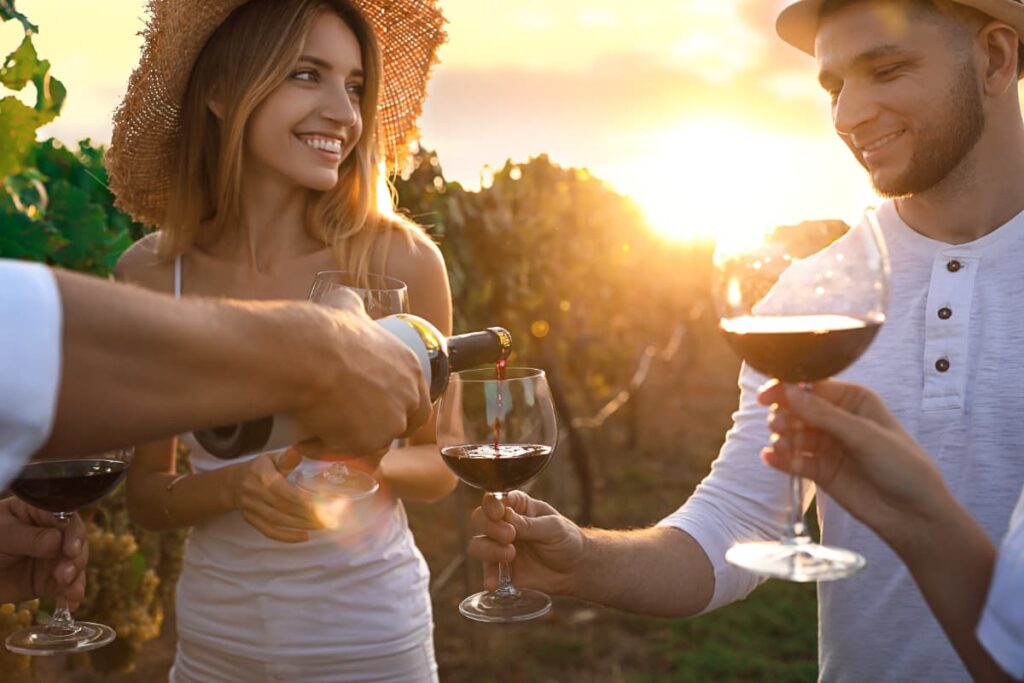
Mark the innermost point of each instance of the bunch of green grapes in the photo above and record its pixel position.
(12, 618)
(120, 591)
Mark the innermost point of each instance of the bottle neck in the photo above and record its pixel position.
(478, 348)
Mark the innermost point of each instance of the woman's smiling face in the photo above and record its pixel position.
(310, 123)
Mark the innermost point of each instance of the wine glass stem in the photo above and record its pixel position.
(505, 588)
(62, 623)
(796, 529)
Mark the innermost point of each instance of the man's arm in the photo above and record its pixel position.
(659, 571)
(677, 568)
(139, 366)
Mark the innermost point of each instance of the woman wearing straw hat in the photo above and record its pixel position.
(251, 135)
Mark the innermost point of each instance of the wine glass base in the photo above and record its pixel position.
(321, 481)
(39, 640)
(800, 562)
(485, 606)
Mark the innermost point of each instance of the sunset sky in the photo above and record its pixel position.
(694, 107)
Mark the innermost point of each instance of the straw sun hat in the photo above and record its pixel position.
(798, 23)
(146, 123)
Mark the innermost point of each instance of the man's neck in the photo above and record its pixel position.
(983, 193)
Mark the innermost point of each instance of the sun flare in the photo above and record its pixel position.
(706, 179)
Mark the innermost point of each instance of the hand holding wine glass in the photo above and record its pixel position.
(496, 432)
(800, 320)
(36, 559)
(855, 450)
(62, 487)
(381, 296)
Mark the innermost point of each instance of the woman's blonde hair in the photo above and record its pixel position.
(246, 58)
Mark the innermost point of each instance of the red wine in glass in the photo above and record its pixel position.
(62, 487)
(805, 348)
(497, 468)
(67, 485)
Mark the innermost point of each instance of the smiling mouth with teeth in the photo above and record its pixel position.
(881, 142)
(324, 144)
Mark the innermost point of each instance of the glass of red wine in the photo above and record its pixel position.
(62, 487)
(801, 313)
(497, 431)
(382, 296)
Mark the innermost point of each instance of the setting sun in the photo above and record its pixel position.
(706, 178)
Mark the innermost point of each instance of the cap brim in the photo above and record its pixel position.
(797, 24)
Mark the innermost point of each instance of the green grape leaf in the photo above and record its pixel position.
(21, 66)
(7, 12)
(23, 238)
(50, 94)
(18, 125)
(81, 222)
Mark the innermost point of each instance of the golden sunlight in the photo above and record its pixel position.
(709, 178)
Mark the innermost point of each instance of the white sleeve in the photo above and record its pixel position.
(30, 357)
(742, 499)
(1001, 630)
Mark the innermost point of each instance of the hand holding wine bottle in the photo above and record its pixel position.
(35, 559)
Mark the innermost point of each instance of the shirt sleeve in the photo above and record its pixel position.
(742, 499)
(30, 360)
(1001, 630)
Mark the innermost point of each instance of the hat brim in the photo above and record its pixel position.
(797, 24)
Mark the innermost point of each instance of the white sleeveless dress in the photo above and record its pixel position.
(351, 604)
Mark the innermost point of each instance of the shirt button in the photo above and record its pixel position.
(954, 266)
(942, 365)
(945, 313)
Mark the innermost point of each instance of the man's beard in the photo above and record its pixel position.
(944, 146)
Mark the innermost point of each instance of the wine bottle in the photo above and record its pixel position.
(439, 356)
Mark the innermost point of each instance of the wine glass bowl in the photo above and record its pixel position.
(496, 435)
(800, 308)
(381, 296)
(62, 487)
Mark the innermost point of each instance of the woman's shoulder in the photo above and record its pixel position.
(413, 258)
(142, 264)
(411, 254)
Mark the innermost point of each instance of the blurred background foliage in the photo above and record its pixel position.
(619, 318)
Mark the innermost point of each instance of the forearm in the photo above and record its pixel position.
(161, 501)
(660, 571)
(952, 560)
(416, 473)
(170, 365)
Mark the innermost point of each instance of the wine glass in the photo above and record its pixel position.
(497, 433)
(62, 487)
(382, 296)
(800, 315)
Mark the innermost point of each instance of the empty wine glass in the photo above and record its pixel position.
(382, 296)
(496, 434)
(800, 315)
(62, 487)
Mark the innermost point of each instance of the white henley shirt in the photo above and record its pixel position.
(967, 412)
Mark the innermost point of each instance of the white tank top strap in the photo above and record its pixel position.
(177, 276)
